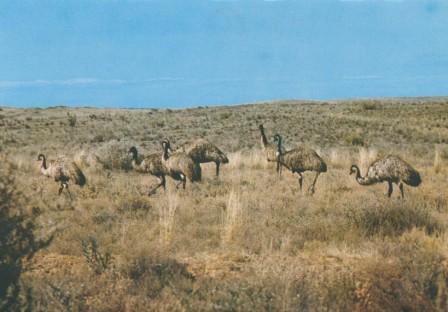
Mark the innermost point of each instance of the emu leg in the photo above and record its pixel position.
(300, 180)
(184, 182)
(162, 183)
(311, 189)
(401, 190)
(180, 182)
(60, 189)
(390, 189)
(217, 169)
(68, 191)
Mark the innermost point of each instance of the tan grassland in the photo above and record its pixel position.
(248, 240)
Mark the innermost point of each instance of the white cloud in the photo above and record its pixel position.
(78, 82)
(372, 0)
(362, 77)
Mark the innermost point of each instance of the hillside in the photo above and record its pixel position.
(248, 240)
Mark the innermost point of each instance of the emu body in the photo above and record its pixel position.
(390, 169)
(299, 160)
(151, 164)
(62, 171)
(180, 166)
(202, 151)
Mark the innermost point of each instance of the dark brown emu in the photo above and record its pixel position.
(299, 160)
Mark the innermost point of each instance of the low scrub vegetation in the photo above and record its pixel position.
(246, 241)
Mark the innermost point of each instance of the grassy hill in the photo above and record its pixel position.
(247, 240)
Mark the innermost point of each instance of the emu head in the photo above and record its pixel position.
(277, 138)
(166, 145)
(353, 169)
(41, 157)
(261, 127)
(133, 152)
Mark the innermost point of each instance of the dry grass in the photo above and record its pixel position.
(231, 217)
(247, 240)
(167, 215)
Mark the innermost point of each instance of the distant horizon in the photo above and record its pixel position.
(180, 54)
(219, 105)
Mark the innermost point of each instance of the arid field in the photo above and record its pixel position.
(245, 241)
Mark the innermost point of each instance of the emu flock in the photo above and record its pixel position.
(185, 164)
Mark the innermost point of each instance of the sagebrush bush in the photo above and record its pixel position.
(391, 219)
(71, 119)
(17, 240)
(114, 155)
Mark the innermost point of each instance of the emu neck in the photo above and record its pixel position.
(44, 163)
(264, 140)
(279, 146)
(362, 180)
(135, 163)
(43, 167)
(165, 155)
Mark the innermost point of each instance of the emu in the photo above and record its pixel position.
(270, 149)
(390, 169)
(202, 151)
(179, 165)
(62, 171)
(299, 160)
(151, 164)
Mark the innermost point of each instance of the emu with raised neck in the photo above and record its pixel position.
(43, 166)
(264, 140)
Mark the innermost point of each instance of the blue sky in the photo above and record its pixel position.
(143, 53)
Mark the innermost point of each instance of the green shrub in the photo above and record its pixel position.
(391, 219)
(97, 261)
(114, 155)
(71, 119)
(17, 240)
(355, 140)
(371, 105)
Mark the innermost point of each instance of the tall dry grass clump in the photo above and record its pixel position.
(440, 157)
(366, 157)
(392, 219)
(339, 158)
(231, 217)
(254, 159)
(88, 159)
(114, 154)
(167, 213)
